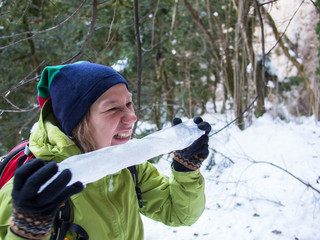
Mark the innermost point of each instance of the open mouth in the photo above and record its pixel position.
(123, 135)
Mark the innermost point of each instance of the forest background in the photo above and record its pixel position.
(177, 56)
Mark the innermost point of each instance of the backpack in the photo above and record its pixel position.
(13, 160)
(19, 155)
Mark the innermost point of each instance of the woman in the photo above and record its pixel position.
(85, 107)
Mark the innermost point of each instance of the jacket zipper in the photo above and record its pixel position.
(121, 228)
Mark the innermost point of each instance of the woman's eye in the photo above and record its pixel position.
(129, 104)
(112, 109)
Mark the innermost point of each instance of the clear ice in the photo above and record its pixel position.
(92, 166)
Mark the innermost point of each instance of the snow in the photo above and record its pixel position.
(247, 197)
(120, 65)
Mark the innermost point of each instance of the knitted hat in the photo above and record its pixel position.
(73, 88)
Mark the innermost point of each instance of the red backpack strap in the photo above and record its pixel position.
(15, 158)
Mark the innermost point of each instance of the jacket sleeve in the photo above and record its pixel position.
(5, 213)
(177, 201)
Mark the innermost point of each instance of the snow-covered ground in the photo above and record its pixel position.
(247, 196)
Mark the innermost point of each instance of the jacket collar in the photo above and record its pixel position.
(47, 141)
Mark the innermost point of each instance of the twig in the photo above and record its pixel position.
(89, 34)
(18, 110)
(291, 174)
(11, 103)
(16, 130)
(285, 30)
(23, 81)
(110, 28)
(35, 114)
(18, 85)
(108, 42)
(154, 15)
(34, 33)
(224, 156)
(261, 4)
(314, 4)
(103, 2)
(153, 22)
(174, 17)
(24, 12)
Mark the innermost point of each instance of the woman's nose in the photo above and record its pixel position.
(129, 117)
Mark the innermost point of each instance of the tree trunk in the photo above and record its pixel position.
(169, 94)
(139, 60)
(227, 64)
(31, 46)
(238, 77)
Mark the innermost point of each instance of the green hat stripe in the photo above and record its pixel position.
(46, 79)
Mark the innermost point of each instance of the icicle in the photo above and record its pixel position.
(92, 166)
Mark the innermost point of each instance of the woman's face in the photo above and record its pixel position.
(111, 117)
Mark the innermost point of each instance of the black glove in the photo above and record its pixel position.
(191, 158)
(32, 212)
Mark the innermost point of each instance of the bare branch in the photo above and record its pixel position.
(23, 81)
(291, 174)
(153, 22)
(203, 28)
(24, 12)
(34, 115)
(174, 17)
(50, 1)
(110, 28)
(104, 2)
(262, 41)
(13, 105)
(210, 17)
(18, 110)
(109, 41)
(89, 33)
(152, 33)
(261, 4)
(34, 33)
(139, 67)
(110, 37)
(279, 38)
(314, 4)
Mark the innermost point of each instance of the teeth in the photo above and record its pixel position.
(123, 135)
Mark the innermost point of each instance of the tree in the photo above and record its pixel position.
(187, 49)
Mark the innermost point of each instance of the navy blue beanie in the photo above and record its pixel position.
(73, 88)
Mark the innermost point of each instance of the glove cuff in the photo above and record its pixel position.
(30, 225)
(192, 164)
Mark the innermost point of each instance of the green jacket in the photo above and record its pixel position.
(108, 208)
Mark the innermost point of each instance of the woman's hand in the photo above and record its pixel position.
(33, 212)
(192, 157)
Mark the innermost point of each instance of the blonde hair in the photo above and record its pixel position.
(81, 135)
